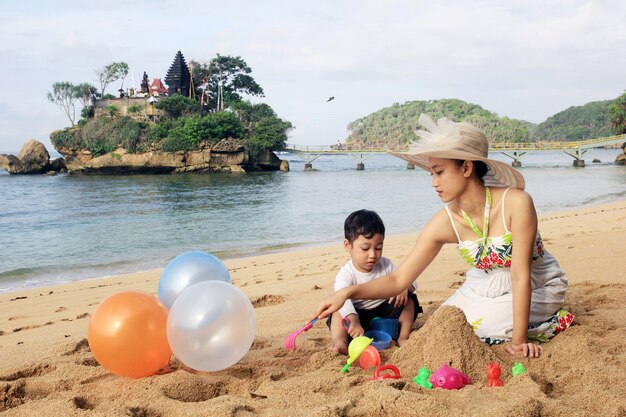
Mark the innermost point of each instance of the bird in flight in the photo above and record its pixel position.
(329, 99)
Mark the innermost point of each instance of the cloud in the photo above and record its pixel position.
(523, 59)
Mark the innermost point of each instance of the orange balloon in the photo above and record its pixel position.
(127, 334)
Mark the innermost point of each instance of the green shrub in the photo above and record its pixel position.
(134, 108)
(112, 111)
(103, 135)
(87, 112)
(177, 105)
(176, 143)
(269, 133)
(66, 138)
(186, 133)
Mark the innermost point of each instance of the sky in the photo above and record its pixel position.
(524, 59)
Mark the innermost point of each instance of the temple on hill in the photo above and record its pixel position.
(178, 78)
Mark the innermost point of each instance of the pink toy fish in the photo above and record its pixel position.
(449, 378)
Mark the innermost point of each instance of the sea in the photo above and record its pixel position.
(63, 228)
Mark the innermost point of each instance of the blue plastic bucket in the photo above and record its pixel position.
(381, 339)
(389, 326)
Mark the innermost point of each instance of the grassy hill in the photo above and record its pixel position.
(577, 122)
(394, 126)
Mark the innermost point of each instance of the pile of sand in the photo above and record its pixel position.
(445, 338)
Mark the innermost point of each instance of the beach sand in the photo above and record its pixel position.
(47, 369)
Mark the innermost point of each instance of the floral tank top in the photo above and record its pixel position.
(490, 252)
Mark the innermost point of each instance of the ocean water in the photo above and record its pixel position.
(63, 228)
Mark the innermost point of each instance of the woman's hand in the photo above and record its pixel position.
(331, 304)
(531, 350)
(400, 300)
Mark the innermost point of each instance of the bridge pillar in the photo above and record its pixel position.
(516, 163)
(360, 166)
(308, 167)
(410, 165)
(579, 163)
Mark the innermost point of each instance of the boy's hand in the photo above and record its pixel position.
(400, 300)
(355, 329)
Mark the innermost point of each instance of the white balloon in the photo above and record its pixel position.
(211, 326)
(188, 269)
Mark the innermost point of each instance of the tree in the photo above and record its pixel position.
(232, 73)
(177, 105)
(617, 115)
(86, 93)
(269, 133)
(263, 128)
(250, 114)
(110, 73)
(65, 94)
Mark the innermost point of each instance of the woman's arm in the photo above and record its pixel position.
(524, 229)
(426, 248)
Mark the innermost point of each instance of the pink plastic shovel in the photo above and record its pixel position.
(290, 341)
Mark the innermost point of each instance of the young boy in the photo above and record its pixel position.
(364, 235)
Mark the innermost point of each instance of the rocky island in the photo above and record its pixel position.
(159, 130)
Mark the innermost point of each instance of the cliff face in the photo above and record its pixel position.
(228, 155)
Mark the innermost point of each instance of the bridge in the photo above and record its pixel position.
(514, 150)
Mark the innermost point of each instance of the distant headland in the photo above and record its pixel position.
(198, 121)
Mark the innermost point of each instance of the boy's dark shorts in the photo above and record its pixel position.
(384, 311)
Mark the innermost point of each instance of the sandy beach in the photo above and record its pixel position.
(47, 369)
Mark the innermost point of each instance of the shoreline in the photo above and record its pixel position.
(283, 248)
(46, 366)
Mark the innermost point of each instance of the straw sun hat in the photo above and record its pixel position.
(449, 140)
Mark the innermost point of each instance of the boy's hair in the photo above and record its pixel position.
(363, 222)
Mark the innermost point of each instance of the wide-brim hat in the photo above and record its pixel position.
(462, 141)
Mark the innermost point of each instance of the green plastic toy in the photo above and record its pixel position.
(518, 369)
(422, 378)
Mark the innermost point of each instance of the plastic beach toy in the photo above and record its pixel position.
(493, 373)
(381, 339)
(422, 378)
(370, 358)
(290, 340)
(395, 373)
(518, 369)
(449, 378)
(389, 326)
(355, 348)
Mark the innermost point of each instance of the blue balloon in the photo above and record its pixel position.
(188, 269)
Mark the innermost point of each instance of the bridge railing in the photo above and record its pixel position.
(495, 146)
(336, 148)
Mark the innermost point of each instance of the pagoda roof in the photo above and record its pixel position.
(178, 78)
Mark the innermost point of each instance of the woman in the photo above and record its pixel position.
(512, 293)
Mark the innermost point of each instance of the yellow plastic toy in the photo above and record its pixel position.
(355, 348)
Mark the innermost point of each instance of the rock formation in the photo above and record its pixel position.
(32, 159)
(227, 155)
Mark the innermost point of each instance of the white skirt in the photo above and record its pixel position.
(486, 299)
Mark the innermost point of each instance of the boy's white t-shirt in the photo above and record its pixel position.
(349, 275)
